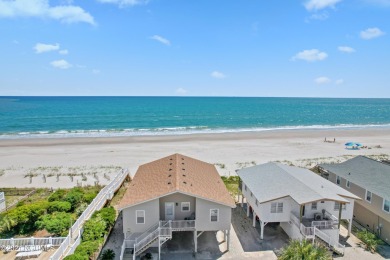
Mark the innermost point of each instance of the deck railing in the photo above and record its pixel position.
(323, 224)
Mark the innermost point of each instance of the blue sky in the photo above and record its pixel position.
(314, 48)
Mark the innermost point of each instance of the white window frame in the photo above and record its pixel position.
(383, 206)
(277, 207)
(369, 201)
(338, 180)
(315, 207)
(347, 184)
(183, 205)
(211, 210)
(136, 216)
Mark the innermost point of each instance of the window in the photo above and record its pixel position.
(140, 216)
(251, 194)
(246, 188)
(314, 206)
(257, 203)
(185, 206)
(338, 180)
(348, 184)
(386, 205)
(337, 206)
(277, 207)
(368, 196)
(214, 215)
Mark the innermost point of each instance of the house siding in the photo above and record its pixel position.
(152, 215)
(203, 222)
(370, 215)
(267, 216)
(178, 198)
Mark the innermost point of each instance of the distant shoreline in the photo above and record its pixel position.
(175, 131)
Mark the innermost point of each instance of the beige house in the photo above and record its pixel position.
(174, 194)
(306, 205)
(370, 180)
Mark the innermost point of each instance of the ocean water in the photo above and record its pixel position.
(24, 117)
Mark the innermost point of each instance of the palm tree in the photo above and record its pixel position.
(304, 250)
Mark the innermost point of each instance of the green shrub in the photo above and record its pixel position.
(57, 223)
(81, 208)
(87, 248)
(58, 195)
(62, 206)
(74, 197)
(304, 250)
(370, 240)
(76, 257)
(108, 254)
(89, 196)
(108, 215)
(94, 229)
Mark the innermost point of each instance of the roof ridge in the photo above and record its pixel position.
(302, 181)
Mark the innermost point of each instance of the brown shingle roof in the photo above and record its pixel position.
(176, 173)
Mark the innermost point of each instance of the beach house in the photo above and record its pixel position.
(370, 180)
(174, 194)
(306, 205)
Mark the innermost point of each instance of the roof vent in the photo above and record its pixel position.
(182, 159)
(183, 169)
(184, 182)
(170, 175)
(182, 163)
(170, 164)
(349, 173)
(184, 175)
(169, 183)
(170, 169)
(170, 159)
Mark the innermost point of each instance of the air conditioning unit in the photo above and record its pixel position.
(317, 216)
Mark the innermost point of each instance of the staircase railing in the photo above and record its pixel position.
(327, 239)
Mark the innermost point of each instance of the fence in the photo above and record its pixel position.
(32, 242)
(100, 200)
(16, 202)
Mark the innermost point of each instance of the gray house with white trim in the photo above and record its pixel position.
(305, 204)
(370, 180)
(174, 194)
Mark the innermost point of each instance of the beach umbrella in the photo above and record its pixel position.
(350, 144)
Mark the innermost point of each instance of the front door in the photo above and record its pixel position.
(169, 210)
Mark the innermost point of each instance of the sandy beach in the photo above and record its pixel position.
(68, 162)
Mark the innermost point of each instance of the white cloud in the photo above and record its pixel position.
(61, 64)
(124, 3)
(217, 75)
(371, 33)
(315, 5)
(161, 39)
(322, 80)
(339, 81)
(310, 55)
(63, 52)
(42, 9)
(181, 91)
(346, 49)
(42, 47)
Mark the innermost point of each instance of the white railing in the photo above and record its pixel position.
(324, 224)
(123, 248)
(100, 200)
(331, 217)
(2, 196)
(307, 231)
(327, 239)
(181, 224)
(16, 243)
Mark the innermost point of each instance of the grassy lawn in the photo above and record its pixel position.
(231, 184)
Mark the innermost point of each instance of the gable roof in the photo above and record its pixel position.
(272, 181)
(365, 172)
(176, 173)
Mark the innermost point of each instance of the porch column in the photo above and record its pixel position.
(262, 230)
(196, 241)
(159, 248)
(254, 219)
(247, 208)
(228, 240)
(242, 200)
(300, 214)
(349, 227)
(340, 209)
